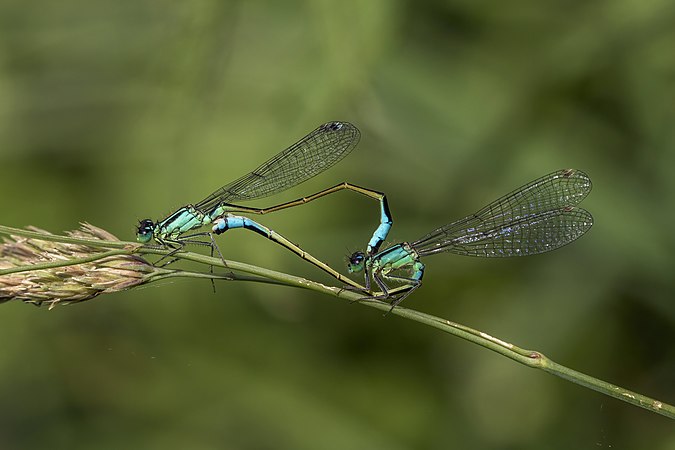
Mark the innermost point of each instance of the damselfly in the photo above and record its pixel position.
(538, 217)
(311, 155)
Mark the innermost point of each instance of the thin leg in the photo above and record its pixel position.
(213, 244)
(368, 274)
(384, 289)
(366, 279)
(213, 283)
(400, 293)
(386, 292)
(413, 287)
(176, 246)
(187, 240)
(179, 245)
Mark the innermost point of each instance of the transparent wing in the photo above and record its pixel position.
(311, 155)
(542, 233)
(538, 217)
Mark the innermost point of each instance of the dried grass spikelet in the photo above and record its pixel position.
(69, 283)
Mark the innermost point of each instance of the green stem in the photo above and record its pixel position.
(529, 358)
(537, 360)
(612, 390)
(273, 275)
(165, 274)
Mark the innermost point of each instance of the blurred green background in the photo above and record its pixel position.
(111, 112)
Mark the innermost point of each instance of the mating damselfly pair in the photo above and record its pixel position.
(538, 217)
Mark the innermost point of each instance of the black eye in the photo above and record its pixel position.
(145, 226)
(357, 258)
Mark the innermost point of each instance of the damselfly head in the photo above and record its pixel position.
(144, 230)
(356, 262)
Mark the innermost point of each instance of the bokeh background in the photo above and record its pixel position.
(111, 112)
